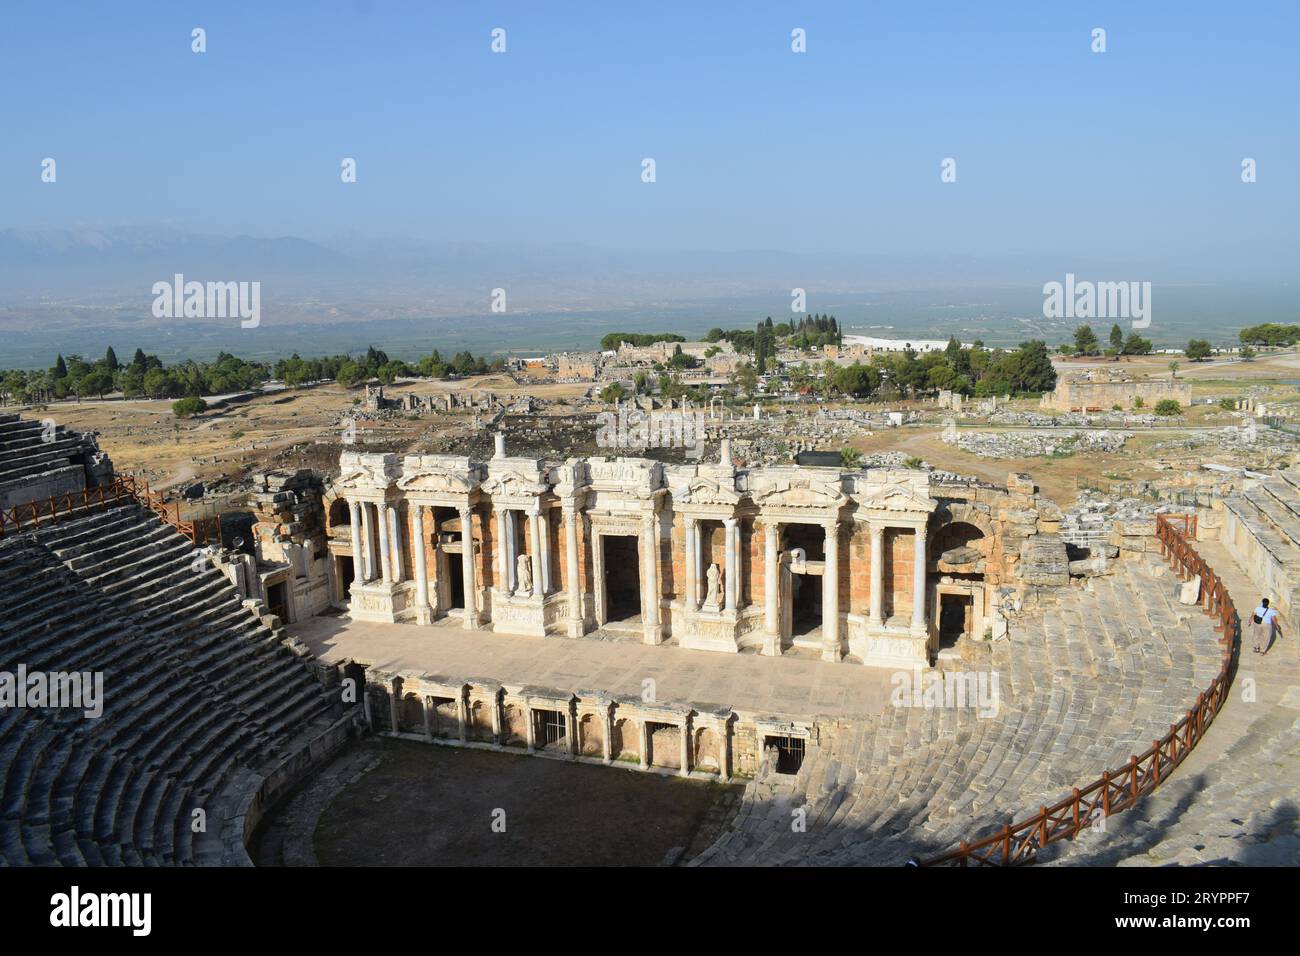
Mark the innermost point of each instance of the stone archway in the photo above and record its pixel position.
(961, 558)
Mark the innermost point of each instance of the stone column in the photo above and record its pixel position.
(462, 716)
(875, 617)
(771, 584)
(421, 567)
(385, 554)
(831, 594)
(644, 730)
(366, 569)
(692, 564)
(724, 751)
(394, 707)
(428, 717)
(731, 591)
(467, 568)
(571, 725)
(531, 735)
(496, 717)
(918, 582)
(358, 575)
(545, 541)
(535, 530)
(571, 572)
(395, 543)
(608, 747)
(650, 584)
(685, 770)
(499, 556)
(512, 549)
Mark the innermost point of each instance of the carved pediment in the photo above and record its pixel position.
(367, 471)
(514, 484)
(707, 491)
(800, 493)
(353, 478)
(897, 491)
(901, 499)
(436, 481)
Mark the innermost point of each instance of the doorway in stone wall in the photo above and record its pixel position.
(344, 575)
(622, 572)
(805, 604)
(277, 601)
(956, 618)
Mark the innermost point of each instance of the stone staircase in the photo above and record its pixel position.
(1267, 542)
(26, 455)
(1084, 683)
(201, 701)
(1233, 800)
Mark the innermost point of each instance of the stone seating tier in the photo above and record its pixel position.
(200, 696)
(1084, 684)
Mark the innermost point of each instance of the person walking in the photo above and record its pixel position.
(1262, 624)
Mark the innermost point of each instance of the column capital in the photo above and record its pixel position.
(730, 521)
(832, 527)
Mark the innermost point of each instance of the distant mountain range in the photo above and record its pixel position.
(94, 266)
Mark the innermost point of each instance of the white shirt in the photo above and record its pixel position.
(1266, 615)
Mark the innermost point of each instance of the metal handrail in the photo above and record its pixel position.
(34, 514)
(1119, 789)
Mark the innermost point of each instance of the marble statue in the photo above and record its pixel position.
(524, 573)
(714, 576)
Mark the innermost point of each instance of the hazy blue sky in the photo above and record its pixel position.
(1134, 152)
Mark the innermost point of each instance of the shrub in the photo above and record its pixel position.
(1168, 407)
(191, 405)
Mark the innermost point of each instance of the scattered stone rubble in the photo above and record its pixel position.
(1032, 445)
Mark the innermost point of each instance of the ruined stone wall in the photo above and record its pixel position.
(1074, 395)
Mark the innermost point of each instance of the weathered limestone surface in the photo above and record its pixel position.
(1084, 683)
(204, 707)
(1233, 800)
(1261, 530)
(720, 552)
(1044, 561)
(39, 459)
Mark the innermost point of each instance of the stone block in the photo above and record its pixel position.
(1044, 561)
(1019, 483)
(1144, 526)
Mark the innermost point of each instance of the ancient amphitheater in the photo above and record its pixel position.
(896, 667)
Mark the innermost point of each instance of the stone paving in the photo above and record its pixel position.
(1234, 799)
(791, 685)
(1085, 683)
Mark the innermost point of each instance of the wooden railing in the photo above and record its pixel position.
(1121, 788)
(35, 514)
